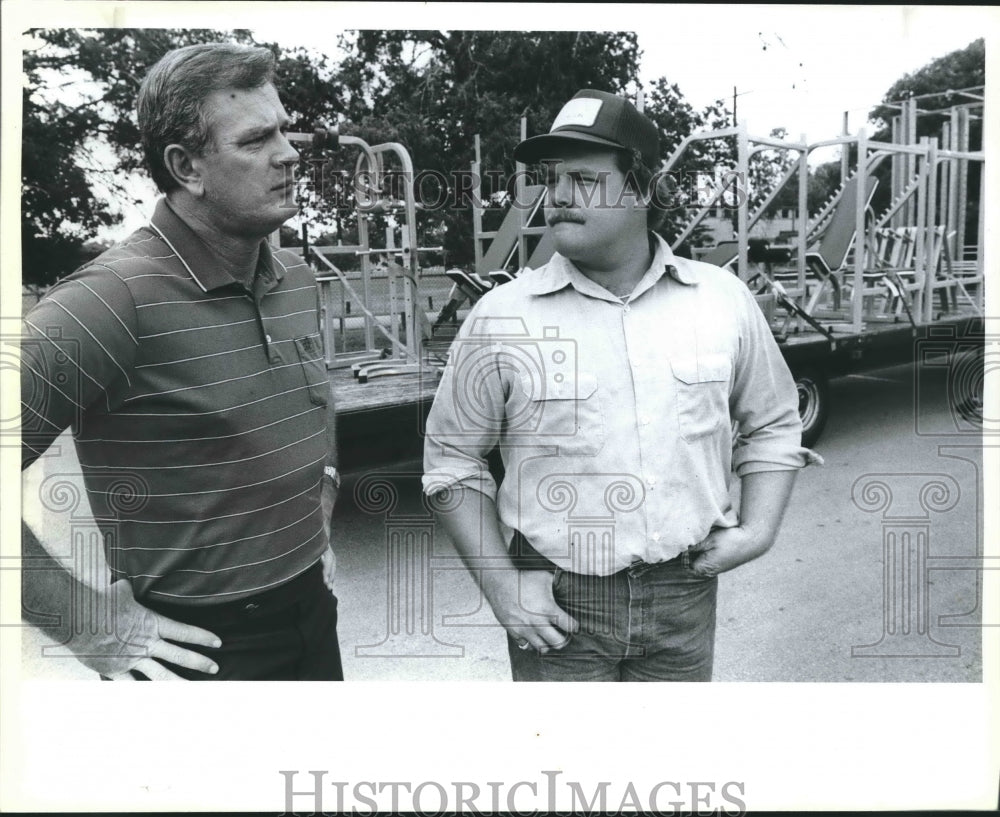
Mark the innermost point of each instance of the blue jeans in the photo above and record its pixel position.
(650, 622)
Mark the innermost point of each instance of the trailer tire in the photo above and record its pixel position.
(814, 403)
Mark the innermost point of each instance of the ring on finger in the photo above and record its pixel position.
(524, 645)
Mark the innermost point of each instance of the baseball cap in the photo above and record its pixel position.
(599, 118)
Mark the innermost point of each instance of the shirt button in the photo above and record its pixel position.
(275, 359)
(644, 421)
(656, 536)
(627, 308)
(251, 606)
(651, 481)
(267, 338)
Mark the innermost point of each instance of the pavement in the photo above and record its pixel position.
(831, 602)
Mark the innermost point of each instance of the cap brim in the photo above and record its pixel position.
(546, 146)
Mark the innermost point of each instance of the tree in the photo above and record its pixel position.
(81, 141)
(79, 103)
(675, 119)
(937, 86)
(956, 78)
(432, 91)
(435, 91)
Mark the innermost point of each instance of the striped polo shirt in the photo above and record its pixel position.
(198, 408)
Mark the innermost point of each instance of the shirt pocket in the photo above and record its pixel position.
(565, 413)
(702, 387)
(313, 368)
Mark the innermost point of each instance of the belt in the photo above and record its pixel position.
(274, 603)
(525, 557)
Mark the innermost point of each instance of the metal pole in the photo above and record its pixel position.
(859, 237)
(962, 144)
(803, 223)
(742, 207)
(910, 125)
(898, 182)
(390, 244)
(949, 189)
(981, 239)
(844, 158)
(926, 293)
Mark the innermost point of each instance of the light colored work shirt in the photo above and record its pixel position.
(613, 416)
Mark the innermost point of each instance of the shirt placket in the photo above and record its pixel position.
(633, 338)
(263, 283)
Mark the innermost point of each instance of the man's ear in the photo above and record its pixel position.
(183, 167)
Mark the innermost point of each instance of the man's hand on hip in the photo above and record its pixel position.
(329, 561)
(137, 637)
(328, 498)
(726, 548)
(523, 603)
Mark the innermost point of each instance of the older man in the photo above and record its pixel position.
(610, 378)
(188, 361)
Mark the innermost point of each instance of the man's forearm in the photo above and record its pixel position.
(764, 496)
(470, 518)
(763, 499)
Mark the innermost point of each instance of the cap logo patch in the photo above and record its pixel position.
(581, 113)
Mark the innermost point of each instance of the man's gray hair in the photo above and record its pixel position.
(172, 96)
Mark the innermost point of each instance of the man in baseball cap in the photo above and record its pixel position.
(610, 379)
(595, 118)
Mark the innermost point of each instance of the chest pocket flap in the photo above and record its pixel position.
(702, 395)
(563, 411)
(705, 368)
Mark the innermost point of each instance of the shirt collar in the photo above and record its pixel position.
(561, 272)
(199, 260)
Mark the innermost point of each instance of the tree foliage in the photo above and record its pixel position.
(80, 143)
(937, 85)
(432, 91)
(436, 91)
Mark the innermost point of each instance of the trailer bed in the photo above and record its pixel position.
(381, 422)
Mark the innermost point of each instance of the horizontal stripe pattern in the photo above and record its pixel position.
(199, 413)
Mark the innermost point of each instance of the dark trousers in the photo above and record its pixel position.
(288, 633)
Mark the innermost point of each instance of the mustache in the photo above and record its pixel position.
(556, 216)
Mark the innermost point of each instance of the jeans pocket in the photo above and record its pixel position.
(313, 366)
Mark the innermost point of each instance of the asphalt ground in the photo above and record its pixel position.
(832, 601)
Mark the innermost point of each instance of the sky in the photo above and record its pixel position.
(798, 67)
(802, 67)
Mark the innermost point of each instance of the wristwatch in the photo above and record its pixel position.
(332, 473)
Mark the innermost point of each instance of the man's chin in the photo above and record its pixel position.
(571, 245)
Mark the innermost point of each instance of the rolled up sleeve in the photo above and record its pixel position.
(467, 415)
(764, 402)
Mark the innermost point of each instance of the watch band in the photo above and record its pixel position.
(331, 472)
